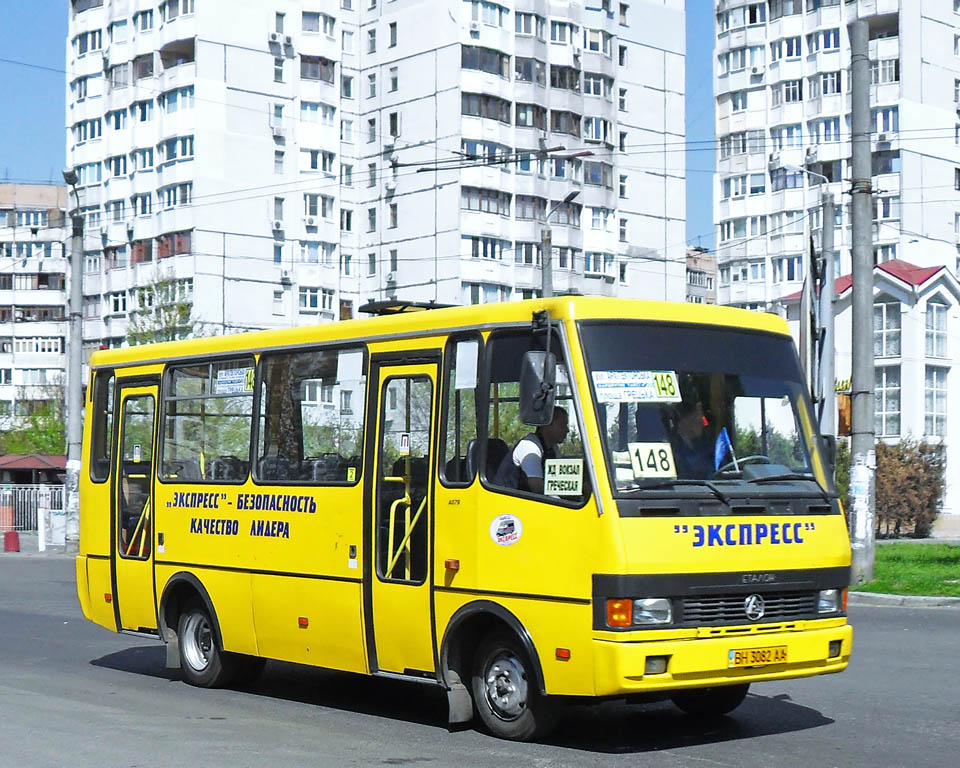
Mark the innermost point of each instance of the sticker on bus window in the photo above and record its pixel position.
(350, 365)
(652, 460)
(234, 381)
(563, 477)
(637, 386)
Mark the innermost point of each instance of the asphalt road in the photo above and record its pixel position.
(73, 694)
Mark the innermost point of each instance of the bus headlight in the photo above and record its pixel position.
(829, 601)
(652, 610)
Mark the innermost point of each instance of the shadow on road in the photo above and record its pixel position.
(609, 727)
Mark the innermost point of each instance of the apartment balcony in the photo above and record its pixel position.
(318, 44)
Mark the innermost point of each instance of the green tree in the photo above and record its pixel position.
(164, 312)
(39, 423)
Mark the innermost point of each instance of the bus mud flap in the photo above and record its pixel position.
(459, 700)
(173, 648)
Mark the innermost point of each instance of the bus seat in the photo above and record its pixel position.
(455, 470)
(497, 449)
(227, 468)
(279, 468)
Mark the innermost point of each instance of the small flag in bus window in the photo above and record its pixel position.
(721, 448)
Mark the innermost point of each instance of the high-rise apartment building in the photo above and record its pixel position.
(782, 86)
(281, 163)
(783, 96)
(33, 316)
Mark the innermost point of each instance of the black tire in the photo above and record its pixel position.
(505, 691)
(202, 661)
(710, 702)
(249, 669)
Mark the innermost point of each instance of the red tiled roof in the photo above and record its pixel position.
(32, 461)
(902, 270)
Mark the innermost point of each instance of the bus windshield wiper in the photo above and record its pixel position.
(673, 482)
(783, 476)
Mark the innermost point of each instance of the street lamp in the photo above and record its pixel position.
(546, 247)
(825, 389)
(74, 400)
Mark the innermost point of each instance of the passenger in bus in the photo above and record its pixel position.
(522, 468)
(692, 447)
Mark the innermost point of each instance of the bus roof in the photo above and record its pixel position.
(442, 320)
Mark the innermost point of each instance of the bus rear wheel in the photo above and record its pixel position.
(203, 663)
(505, 690)
(711, 702)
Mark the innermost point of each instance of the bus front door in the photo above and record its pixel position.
(400, 507)
(133, 510)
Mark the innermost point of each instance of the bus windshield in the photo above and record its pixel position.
(698, 405)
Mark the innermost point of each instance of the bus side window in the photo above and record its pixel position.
(102, 445)
(506, 430)
(312, 408)
(207, 422)
(460, 448)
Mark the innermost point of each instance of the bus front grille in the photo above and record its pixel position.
(731, 609)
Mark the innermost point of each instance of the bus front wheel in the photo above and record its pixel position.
(505, 690)
(203, 663)
(711, 702)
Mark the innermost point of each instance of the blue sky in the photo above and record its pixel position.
(32, 134)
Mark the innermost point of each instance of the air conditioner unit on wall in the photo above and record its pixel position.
(285, 276)
(758, 70)
(475, 27)
(278, 131)
(277, 224)
(310, 221)
(882, 137)
(276, 37)
(391, 277)
(774, 161)
(288, 40)
(390, 185)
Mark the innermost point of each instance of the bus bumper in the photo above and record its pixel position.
(696, 662)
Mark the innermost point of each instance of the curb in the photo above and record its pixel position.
(909, 601)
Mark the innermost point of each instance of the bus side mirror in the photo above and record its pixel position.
(830, 451)
(538, 378)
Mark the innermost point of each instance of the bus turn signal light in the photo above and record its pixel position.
(619, 612)
(107, 597)
(304, 622)
(563, 654)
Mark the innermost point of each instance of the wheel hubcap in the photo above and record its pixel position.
(198, 642)
(506, 687)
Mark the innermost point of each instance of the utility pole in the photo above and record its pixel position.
(546, 247)
(863, 459)
(74, 399)
(828, 392)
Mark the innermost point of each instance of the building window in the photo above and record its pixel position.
(394, 78)
(886, 329)
(393, 34)
(278, 69)
(371, 263)
(935, 402)
(887, 404)
(371, 41)
(392, 209)
(936, 332)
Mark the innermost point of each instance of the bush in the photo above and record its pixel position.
(910, 485)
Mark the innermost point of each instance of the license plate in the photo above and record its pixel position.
(756, 657)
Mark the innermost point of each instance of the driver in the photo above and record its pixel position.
(522, 468)
(692, 448)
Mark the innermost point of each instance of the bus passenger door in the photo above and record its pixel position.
(399, 508)
(133, 518)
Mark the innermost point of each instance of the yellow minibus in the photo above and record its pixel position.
(526, 503)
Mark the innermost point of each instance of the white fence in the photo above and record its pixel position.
(21, 505)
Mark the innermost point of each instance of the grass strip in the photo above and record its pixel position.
(911, 568)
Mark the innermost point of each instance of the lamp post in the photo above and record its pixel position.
(546, 247)
(824, 382)
(74, 400)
